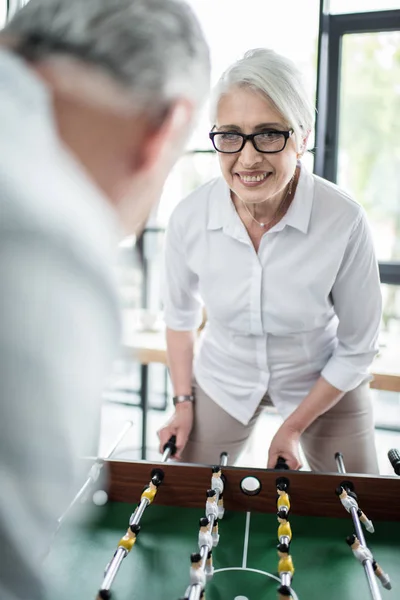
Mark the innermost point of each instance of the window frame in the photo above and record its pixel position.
(331, 31)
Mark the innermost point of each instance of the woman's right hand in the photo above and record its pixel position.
(180, 424)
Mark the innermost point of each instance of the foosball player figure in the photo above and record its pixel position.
(362, 553)
(285, 564)
(283, 496)
(202, 596)
(151, 490)
(217, 484)
(215, 534)
(209, 566)
(205, 537)
(211, 504)
(129, 539)
(365, 521)
(197, 575)
(284, 529)
(284, 593)
(349, 500)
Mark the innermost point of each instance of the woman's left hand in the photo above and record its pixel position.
(285, 444)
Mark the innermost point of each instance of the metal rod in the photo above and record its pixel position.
(195, 592)
(94, 473)
(339, 462)
(169, 448)
(118, 439)
(203, 554)
(137, 515)
(195, 589)
(113, 568)
(82, 492)
(223, 459)
(367, 564)
(166, 455)
(144, 400)
(373, 584)
(121, 552)
(286, 579)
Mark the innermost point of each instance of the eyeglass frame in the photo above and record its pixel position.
(250, 136)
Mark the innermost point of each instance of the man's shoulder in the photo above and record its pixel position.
(43, 189)
(44, 196)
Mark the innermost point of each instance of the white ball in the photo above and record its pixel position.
(100, 498)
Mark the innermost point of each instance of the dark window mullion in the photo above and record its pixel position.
(368, 22)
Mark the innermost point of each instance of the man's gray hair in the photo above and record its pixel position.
(278, 79)
(155, 48)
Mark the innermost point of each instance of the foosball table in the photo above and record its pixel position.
(230, 533)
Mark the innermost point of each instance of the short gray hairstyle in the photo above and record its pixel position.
(155, 48)
(278, 79)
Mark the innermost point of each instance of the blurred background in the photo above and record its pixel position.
(349, 52)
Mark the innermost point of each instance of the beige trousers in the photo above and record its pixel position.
(348, 428)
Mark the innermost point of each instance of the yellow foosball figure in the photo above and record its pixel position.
(284, 529)
(149, 492)
(129, 539)
(283, 496)
(285, 564)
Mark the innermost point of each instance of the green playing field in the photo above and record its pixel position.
(245, 559)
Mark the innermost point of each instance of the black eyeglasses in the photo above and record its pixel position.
(268, 142)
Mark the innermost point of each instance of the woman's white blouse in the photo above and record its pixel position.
(308, 303)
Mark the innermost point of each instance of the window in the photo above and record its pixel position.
(369, 132)
(14, 6)
(3, 13)
(354, 6)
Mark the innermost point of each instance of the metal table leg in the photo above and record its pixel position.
(144, 403)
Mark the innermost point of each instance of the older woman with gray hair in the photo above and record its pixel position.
(97, 99)
(284, 264)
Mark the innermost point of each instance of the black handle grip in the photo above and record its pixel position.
(171, 444)
(394, 457)
(281, 464)
(157, 476)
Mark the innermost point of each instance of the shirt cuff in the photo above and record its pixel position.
(183, 320)
(343, 376)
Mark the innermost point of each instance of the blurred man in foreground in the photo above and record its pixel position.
(97, 99)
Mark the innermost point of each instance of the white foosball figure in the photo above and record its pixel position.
(218, 485)
(215, 534)
(205, 537)
(365, 521)
(197, 575)
(362, 553)
(209, 566)
(211, 504)
(349, 501)
(383, 577)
